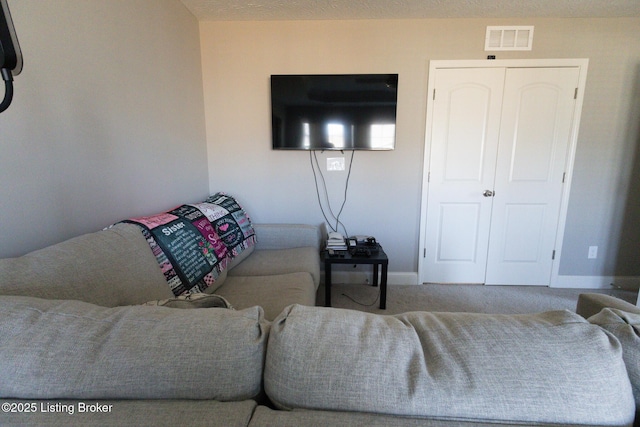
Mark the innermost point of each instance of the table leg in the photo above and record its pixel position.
(383, 287)
(374, 282)
(327, 284)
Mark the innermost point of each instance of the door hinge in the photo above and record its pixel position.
(553, 254)
(564, 177)
(575, 94)
(434, 94)
(424, 253)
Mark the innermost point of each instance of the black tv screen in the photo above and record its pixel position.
(334, 111)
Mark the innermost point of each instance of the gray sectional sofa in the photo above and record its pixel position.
(89, 335)
(115, 267)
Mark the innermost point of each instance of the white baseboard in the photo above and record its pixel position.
(597, 282)
(406, 278)
(574, 282)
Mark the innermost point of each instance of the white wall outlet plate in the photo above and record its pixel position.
(335, 163)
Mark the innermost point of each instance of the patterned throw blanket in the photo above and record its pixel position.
(193, 243)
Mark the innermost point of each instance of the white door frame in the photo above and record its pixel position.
(582, 64)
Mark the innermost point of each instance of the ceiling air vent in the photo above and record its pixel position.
(509, 38)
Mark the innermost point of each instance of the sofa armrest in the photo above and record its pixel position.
(285, 236)
(593, 303)
(625, 327)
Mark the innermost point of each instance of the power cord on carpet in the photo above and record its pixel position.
(361, 303)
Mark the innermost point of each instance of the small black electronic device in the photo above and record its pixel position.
(363, 246)
(10, 54)
(361, 251)
(364, 240)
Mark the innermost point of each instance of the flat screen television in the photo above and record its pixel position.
(334, 111)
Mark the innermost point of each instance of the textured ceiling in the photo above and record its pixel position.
(264, 10)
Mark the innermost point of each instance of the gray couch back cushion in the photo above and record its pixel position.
(73, 350)
(548, 368)
(110, 267)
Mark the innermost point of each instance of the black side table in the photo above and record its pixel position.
(344, 257)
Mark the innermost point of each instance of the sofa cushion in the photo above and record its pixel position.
(283, 236)
(626, 328)
(272, 293)
(280, 261)
(552, 367)
(590, 304)
(266, 417)
(110, 267)
(196, 300)
(134, 413)
(51, 349)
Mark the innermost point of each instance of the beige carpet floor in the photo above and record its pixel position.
(460, 298)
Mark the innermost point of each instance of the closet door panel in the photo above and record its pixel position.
(466, 118)
(537, 118)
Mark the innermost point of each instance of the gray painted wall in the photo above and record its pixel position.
(385, 189)
(107, 120)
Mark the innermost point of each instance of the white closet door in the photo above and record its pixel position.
(465, 132)
(537, 118)
(499, 142)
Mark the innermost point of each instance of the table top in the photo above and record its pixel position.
(345, 257)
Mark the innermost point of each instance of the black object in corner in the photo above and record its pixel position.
(10, 54)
